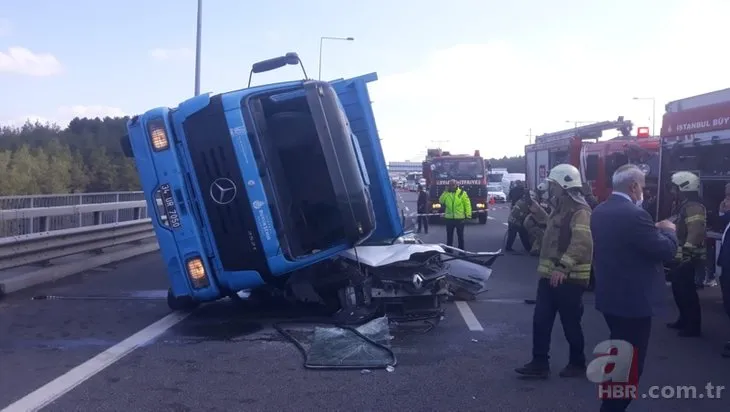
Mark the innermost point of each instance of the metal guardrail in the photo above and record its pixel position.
(37, 229)
(30, 222)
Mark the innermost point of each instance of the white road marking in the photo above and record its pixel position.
(505, 223)
(471, 321)
(490, 217)
(60, 386)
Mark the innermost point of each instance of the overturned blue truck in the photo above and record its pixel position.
(283, 188)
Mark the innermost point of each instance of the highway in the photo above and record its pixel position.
(224, 357)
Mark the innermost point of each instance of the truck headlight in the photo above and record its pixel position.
(196, 272)
(436, 206)
(158, 134)
(480, 205)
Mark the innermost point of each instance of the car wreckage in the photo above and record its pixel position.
(283, 189)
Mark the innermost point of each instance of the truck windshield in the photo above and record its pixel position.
(459, 168)
(495, 178)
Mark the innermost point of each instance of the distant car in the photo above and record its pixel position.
(495, 192)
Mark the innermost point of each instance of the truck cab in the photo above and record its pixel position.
(600, 160)
(469, 173)
(596, 159)
(256, 183)
(695, 137)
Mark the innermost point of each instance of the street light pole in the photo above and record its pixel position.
(321, 42)
(653, 112)
(197, 47)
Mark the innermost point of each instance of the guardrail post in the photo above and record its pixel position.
(97, 218)
(116, 219)
(137, 213)
(43, 225)
(30, 220)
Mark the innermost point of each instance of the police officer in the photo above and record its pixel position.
(515, 223)
(457, 208)
(690, 257)
(564, 268)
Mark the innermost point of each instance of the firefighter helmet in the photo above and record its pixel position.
(686, 181)
(566, 176)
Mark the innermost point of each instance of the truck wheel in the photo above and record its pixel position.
(482, 218)
(181, 303)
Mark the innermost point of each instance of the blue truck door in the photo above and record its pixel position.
(355, 99)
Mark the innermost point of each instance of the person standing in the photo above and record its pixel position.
(515, 224)
(422, 210)
(457, 208)
(535, 224)
(516, 193)
(690, 255)
(564, 267)
(628, 255)
(723, 260)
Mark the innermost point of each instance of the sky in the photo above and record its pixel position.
(461, 75)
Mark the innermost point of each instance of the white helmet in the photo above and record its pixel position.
(542, 187)
(566, 176)
(686, 181)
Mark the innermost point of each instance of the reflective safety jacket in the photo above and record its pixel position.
(567, 245)
(519, 212)
(691, 226)
(456, 204)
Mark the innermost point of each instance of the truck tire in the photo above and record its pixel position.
(180, 303)
(482, 218)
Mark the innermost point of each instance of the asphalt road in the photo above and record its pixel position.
(224, 358)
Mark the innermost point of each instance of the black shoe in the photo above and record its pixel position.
(726, 351)
(675, 325)
(509, 249)
(573, 371)
(534, 370)
(686, 333)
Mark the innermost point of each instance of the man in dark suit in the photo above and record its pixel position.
(628, 255)
(723, 260)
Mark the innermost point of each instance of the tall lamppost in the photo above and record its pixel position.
(197, 47)
(321, 41)
(653, 112)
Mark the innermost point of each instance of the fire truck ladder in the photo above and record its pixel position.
(589, 131)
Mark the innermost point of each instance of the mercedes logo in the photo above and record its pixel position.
(223, 191)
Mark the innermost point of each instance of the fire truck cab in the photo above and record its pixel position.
(596, 159)
(470, 174)
(695, 137)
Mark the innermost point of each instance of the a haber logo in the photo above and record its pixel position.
(615, 370)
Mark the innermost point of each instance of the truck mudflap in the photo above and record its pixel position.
(352, 194)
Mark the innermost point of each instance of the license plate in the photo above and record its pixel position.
(168, 202)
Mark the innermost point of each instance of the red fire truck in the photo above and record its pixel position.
(596, 159)
(695, 137)
(469, 173)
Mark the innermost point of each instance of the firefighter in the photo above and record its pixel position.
(564, 269)
(457, 209)
(588, 195)
(535, 223)
(515, 224)
(516, 193)
(690, 258)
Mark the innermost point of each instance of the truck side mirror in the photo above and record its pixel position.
(290, 58)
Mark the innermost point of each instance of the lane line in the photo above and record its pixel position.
(491, 217)
(505, 223)
(63, 384)
(466, 313)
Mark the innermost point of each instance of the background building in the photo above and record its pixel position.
(402, 168)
